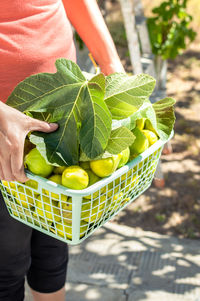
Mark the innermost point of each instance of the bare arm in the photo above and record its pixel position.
(86, 18)
(14, 126)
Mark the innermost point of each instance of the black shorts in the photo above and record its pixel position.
(28, 252)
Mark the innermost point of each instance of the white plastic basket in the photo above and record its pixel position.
(73, 215)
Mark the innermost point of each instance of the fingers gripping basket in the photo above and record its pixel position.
(73, 215)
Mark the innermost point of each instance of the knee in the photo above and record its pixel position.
(48, 276)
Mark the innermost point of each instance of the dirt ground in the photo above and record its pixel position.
(174, 209)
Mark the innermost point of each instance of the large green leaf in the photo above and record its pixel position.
(96, 118)
(126, 94)
(47, 91)
(165, 117)
(60, 147)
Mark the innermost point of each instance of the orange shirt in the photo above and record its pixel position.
(33, 34)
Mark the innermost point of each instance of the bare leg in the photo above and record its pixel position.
(159, 180)
(56, 296)
(167, 149)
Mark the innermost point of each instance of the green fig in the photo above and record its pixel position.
(37, 164)
(105, 167)
(125, 157)
(75, 177)
(140, 144)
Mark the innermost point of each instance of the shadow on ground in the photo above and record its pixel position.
(119, 263)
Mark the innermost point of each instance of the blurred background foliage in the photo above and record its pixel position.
(169, 28)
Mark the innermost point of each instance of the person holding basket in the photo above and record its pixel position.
(33, 34)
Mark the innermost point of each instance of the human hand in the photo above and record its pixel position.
(14, 126)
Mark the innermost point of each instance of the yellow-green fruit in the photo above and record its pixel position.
(89, 214)
(46, 224)
(67, 215)
(13, 208)
(59, 170)
(130, 184)
(105, 167)
(140, 144)
(149, 166)
(75, 177)
(36, 222)
(37, 164)
(58, 180)
(125, 157)
(112, 189)
(40, 221)
(66, 229)
(151, 136)
(13, 185)
(7, 201)
(68, 204)
(47, 208)
(24, 197)
(153, 166)
(122, 179)
(66, 211)
(32, 183)
(55, 196)
(25, 214)
(148, 126)
(10, 187)
(140, 123)
(116, 201)
(141, 167)
(85, 165)
(92, 180)
(85, 209)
